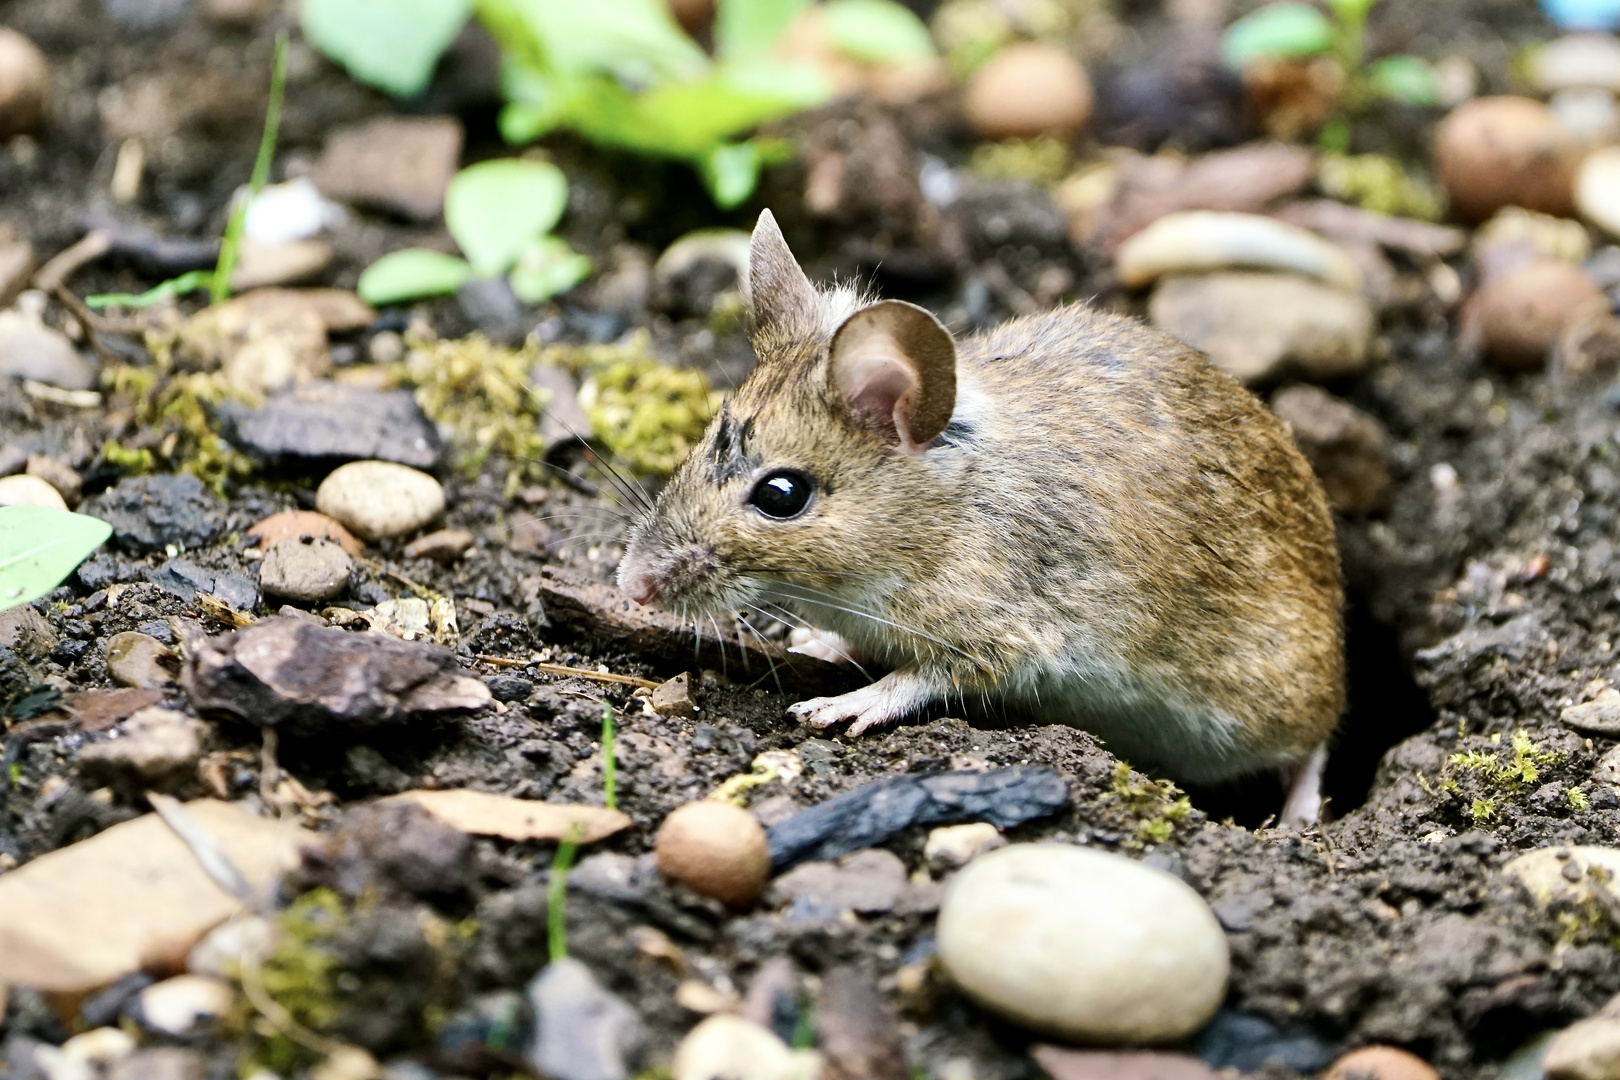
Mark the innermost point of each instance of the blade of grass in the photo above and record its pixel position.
(221, 287)
(557, 893)
(610, 765)
(175, 286)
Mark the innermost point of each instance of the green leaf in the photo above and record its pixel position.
(1279, 30)
(750, 27)
(634, 40)
(1407, 79)
(878, 31)
(1353, 12)
(730, 172)
(40, 547)
(411, 274)
(497, 208)
(548, 267)
(390, 44)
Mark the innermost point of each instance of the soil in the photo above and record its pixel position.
(1482, 602)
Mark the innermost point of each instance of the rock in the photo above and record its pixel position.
(731, 1047)
(31, 350)
(98, 710)
(187, 580)
(1571, 874)
(868, 883)
(306, 572)
(1061, 1063)
(1028, 89)
(180, 1005)
(582, 1032)
(856, 1029)
(160, 1063)
(486, 814)
(262, 341)
(1083, 945)
(131, 896)
(1590, 115)
(1576, 62)
(1346, 224)
(400, 164)
(1505, 151)
(25, 84)
(1518, 318)
(389, 849)
(86, 1055)
(954, 846)
(1237, 1042)
(301, 524)
(673, 697)
(1257, 327)
(157, 748)
(874, 812)
(285, 213)
(149, 512)
(715, 849)
(22, 490)
(140, 660)
(1380, 1063)
(491, 306)
(1600, 716)
(26, 632)
(1588, 1050)
(1348, 449)
(16, 265)
(696, 269)
(1201, 240)
(289, 672)
(445, 546)
(379, 499)
(65, 479)
(1597, 189)
(259, 265)
(1608, 767)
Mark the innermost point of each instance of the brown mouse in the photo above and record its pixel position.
(1073, 517)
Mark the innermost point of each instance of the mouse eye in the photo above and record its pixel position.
(782, 494)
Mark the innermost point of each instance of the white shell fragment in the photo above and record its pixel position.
(1198, 240)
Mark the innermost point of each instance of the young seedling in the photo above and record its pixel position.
(557, 893)
(40, 547)
(610, 764)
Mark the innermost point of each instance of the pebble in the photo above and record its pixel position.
(64, 478)
(856, 1029)
(140, 660)
(187, 580)
(161, 1063)
(23, 490)
(379, 499)
(25, 83)
(31, 350)
(1083, 945)
(1028, 89)
(1235, 1042)
(582, 1032)
(731, 1047)
(286, 213)
(1567, 873)
(16, 268)
(1590, 115)
(1600, 716)
(1505, 151)
(715, 849)
(1576, 62)
(1588, 1050)
(1380, 1063)
(696, 269)
(1520, 316)
(304, 571)
(952, 847)
(155, 748)
(297, 524)
(177, 1006)
(1348, 449)
(148, 513)
(673, 697)
(1258, 326)
(400, 164)
(1061, 1063)
(26, 633)
(260, 265)
(867, 882)
(1201, 240)
(444, 546)
(1597, 189)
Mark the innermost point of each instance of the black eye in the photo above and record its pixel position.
(782, 494)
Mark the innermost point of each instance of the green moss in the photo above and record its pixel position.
(1519, 770)
(1041, 160)
(1379, 183)
(1158, 805)
(171, 413)
(648, 414)
(300, 975)
(1483, 810)
(1577, 799)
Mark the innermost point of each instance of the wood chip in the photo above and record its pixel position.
(484, 814)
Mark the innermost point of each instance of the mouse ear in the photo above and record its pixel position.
(781, 300)
(896, 366)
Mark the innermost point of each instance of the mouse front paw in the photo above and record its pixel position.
(823, 645)
(890, 698)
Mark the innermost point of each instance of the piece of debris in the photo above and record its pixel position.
(98, 710)
(951, 847)
(23, 490)
(444, 546)
(298, 524)
(730, 1046)
(149, 512)
(31, 350)
(141, 660)
(156, 748)
(486, 814)
(674, 697)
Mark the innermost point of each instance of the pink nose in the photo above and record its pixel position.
(641, 586)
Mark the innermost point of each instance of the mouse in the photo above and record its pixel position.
(1070, 518)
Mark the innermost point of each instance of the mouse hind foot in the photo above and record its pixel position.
(1303, 805)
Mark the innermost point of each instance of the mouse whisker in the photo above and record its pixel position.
(722, 639)
(635, 492)
(813, 597)
(797, 623)
(769, 659)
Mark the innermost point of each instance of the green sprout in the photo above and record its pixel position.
(557, 892)
(610, 767)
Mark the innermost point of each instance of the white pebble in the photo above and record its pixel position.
(379, 499)
(1198, 240)
(176, 1006)
(1597, 189)
(1083, 945)
(731, 1047)
(23, 490)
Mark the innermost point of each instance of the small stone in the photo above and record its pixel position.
(1576, 62)
(1256, 327)
(389, 849)
(1235, 1042)
(293, 262)
(731, 1047)
(1567, 873)
(582, 1032)
(25, 83)
(31, 350)
(1061, 1063)
(1083, 945)
(444, 546)
(487, 814)
(140, 660)
(673, 697)
(180, 1005)
(149, 512)
(952, 847)
(868, 882)
(715, 849)
(1199, 241)
(696, 269)
(308, 571)
(22, 490)
(1600, 716)
(401, 164)
(379, 499)
(1588, 1050)
(160, 1063)
(98, 710)
(299, 524)
(1597, 189)
(1519, 317)
(856, 1029)
(1505, 151)
(65, 479)
(26, 632)
(1380, 1063)
(261, 342)
(1347, 448)
(1028, 89)
(16, 268)
(156, 748)
(187, 580)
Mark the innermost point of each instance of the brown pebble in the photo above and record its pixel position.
(716, 849)
(1519, 317)
(140, 660)
(444, 546)
(298, 524)
(1028, 89)
(25, 82)
(1505, 151)
(1380, 1063)
(674, 697)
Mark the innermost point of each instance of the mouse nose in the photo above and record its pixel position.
(641, 585)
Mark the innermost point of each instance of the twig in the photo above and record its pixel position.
(203, 847)
(65, 263)
(564, 669)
